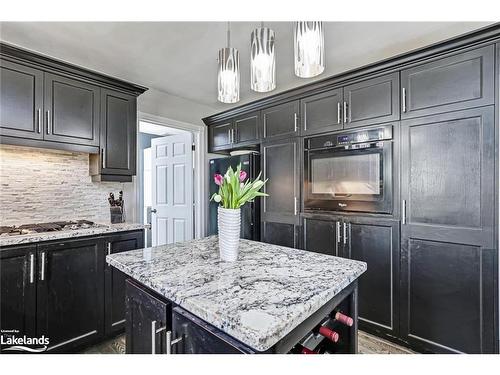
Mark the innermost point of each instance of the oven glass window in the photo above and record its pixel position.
(357, 174)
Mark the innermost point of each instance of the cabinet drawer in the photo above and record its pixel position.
(457, 82)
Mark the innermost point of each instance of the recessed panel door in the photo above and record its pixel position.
(172, 196)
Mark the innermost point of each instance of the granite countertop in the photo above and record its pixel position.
(258, 299)
(69, 233)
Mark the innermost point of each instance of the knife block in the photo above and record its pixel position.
(117, 215)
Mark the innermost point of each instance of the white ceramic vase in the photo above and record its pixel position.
(229, 222)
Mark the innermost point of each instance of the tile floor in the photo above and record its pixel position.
(367, 344)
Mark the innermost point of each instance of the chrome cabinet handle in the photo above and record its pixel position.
(42, 272)
(49, 125)
(103, 157)
(345, 112)
(234, 135)
(39, 120)
(339, 113)
(345, 233)
(295, 205)
(404, 99)
(32, 268)
(403, 212)
(109, 247)
(171, 342)
(154, 332)
(228, 136)
(338, 231)
(295, 121)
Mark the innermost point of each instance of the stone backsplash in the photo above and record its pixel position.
(38, 185)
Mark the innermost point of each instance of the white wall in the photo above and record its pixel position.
(159, 103)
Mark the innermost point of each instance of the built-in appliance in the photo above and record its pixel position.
(250, 212)
(349, 171)
(46, 227)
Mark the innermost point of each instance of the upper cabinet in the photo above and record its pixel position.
(322, 112)
(51, 104)
(452, 83)
(233, 133)
(373, 101)
(71, 111)
(21, 101)
(281, 120)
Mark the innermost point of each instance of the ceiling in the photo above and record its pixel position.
(180, 58)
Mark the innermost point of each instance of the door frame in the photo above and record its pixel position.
(199, 167)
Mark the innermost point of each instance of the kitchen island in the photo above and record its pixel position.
(181, 298)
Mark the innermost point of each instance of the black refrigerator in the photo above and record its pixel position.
(250, 212)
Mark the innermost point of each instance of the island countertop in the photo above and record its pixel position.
(258, 299)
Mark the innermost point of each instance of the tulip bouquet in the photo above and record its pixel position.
(235, 189)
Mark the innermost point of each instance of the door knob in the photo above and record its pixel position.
(153, 210)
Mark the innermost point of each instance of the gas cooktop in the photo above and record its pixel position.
(46, 227)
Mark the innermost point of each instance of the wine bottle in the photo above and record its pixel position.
(344, 319)
(329, 334)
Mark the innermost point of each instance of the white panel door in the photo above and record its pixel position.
(172, 185)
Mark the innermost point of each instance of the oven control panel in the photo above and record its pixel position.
(354, 139)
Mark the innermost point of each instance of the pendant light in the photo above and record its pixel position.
(262, 59)
(228, 78)
(309, 48)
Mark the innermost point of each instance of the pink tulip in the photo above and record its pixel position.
(218, 179)
(243, 175)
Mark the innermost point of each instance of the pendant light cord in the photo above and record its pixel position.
(228, 35)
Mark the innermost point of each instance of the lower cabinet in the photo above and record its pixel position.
(148, 320)
(191, 335)
(64, 290)
(114, 281)
(70, 300)
(18, 295)
(282, 234)
(371, 240)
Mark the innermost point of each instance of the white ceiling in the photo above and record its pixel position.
(179, 58)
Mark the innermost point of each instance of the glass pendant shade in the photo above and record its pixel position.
(309, 49)
(262, 60)
(228, 78)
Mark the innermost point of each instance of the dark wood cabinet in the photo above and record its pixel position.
(21, 101)
(456, 82)
(70, 299)
(376, 242)
(322, 112)
(373, 101)
(71, 111)
(282, 234)
(448, 234)
(219, 136)
(280, 210)
(191, 335)
(18, 296)
(114, 280)
(281, 120)
(148, 319)
(246, 128)
(322, 236)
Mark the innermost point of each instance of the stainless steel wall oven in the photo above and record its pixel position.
(349, 171)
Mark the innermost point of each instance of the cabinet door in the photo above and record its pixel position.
(282, 234)
(246, 128)
(321, 112)
(448, 240)
(114, 280)
(147, 321)
(21, 101)
(18, 296)
(376, 242)
(280, 165)
(373, 101)
(70, 299)
(191, 335)
(322, 236)
(281, 120)
(118, 133)
(219, 136)
(71, 111)
(452, 83)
